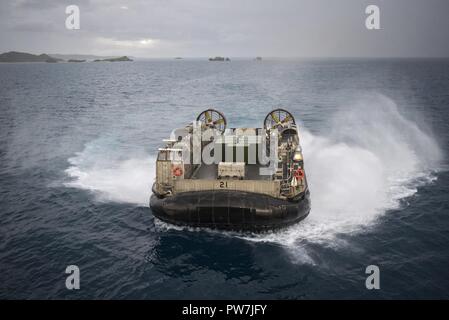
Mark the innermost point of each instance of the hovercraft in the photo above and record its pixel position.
(245, 179)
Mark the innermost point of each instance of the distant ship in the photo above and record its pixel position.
(219, 59)
(233, 192)
(258, 59)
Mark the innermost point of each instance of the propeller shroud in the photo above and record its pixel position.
(213, 119)
(278, 118)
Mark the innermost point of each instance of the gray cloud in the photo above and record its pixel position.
(35, 27)
(310, 28)
(46, 4)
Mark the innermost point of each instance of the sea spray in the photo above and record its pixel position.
(112, 178)
(371, 159)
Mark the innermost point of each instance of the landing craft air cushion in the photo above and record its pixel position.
(240, 189)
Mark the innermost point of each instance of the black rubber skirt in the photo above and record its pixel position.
(230, 210)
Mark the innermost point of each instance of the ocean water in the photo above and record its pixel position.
(77, 150)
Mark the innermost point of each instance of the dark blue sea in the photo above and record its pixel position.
(77, 150)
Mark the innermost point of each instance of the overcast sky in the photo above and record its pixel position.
(235, 28)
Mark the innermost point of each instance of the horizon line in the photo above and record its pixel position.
(235, 56)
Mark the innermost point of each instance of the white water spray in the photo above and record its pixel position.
(112, 180)
(372, 158)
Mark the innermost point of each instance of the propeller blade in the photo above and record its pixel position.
(287, 118)
(208, 116)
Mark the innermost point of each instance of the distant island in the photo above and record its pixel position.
(219, 59)
(258, 59)
(14, 56)
(124, 58)
(74, 56)
(178, 58)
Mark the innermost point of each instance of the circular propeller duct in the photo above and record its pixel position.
(278, 119)
(213, 119)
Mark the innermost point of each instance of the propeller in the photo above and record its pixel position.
(213, 119)
(278, 118)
